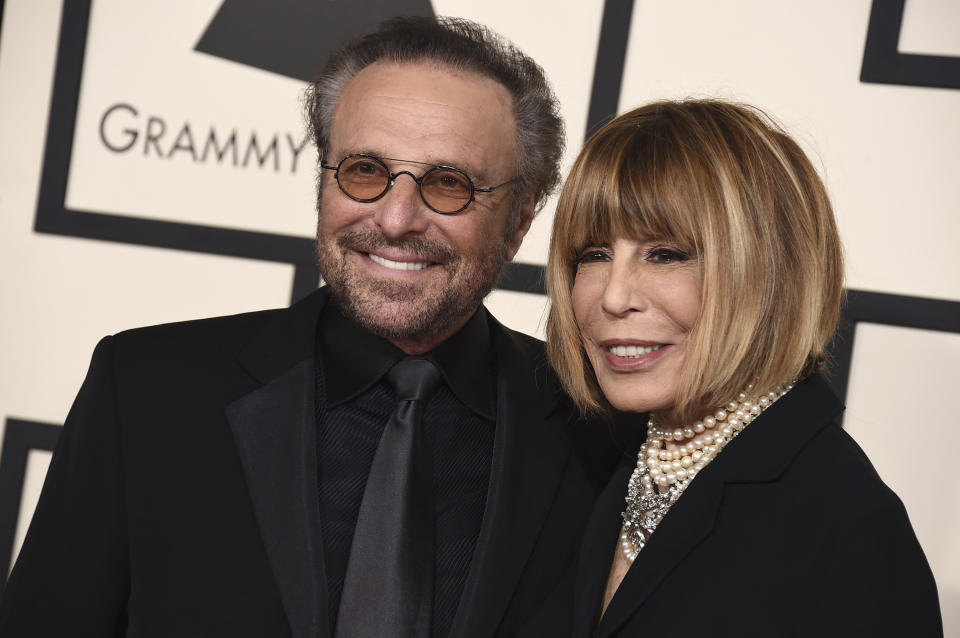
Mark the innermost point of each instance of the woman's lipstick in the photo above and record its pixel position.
(626, 355)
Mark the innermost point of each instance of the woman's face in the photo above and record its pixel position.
(635, 303)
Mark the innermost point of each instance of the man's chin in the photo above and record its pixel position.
(392, 313)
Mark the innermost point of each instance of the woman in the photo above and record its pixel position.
(696, 274)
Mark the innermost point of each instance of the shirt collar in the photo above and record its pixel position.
(466, 362)
(353, 359)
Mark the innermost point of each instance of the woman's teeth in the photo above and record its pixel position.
(633, 352)
(398, 265)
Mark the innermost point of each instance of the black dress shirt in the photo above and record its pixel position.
(353, 405)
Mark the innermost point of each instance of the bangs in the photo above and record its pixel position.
(631, 184)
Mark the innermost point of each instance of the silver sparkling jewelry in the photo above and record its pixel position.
(672, 469)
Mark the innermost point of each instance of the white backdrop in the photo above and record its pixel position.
(888, 153)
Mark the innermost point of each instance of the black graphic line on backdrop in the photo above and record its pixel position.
(884, 64)
(1, 19)
(18, 439)
(610, 63)
(902, 311)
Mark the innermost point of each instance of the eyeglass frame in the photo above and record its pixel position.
(419, 180)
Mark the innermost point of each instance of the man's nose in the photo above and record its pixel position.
(401, 210)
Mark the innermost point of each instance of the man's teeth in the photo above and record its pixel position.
(399, 265)
(633, 352)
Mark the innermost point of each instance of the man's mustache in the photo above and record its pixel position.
(367, 241)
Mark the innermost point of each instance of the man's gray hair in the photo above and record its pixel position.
(461, 45)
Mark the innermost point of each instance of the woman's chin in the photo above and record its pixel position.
(625, 402)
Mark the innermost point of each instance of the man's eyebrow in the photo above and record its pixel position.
(476, 174)
(362, 151)
(427, 160)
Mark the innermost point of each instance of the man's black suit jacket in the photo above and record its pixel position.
(182, 497)
(788, 532)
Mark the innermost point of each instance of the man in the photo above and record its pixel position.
(226, 477)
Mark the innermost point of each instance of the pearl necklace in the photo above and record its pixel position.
(673, 469)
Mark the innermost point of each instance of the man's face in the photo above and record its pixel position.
(399, 269)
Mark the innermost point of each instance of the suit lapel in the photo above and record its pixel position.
(596, 553)
(528, 461)
(677, 535)
(760, 454)
(274, 428)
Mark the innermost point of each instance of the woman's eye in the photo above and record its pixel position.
(663, 255)
(592, 255)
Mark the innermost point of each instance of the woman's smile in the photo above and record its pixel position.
(626, 355)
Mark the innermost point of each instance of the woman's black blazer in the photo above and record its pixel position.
(788, 532)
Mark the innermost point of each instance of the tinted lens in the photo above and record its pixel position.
(362, 177)
(446, 190)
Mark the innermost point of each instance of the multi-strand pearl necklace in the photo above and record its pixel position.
(673, 469)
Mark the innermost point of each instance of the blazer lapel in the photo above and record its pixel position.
(596, 553)
(528, 461)
(274, 428)
(676, 536)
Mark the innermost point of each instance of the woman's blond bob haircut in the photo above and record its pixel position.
(726, 183)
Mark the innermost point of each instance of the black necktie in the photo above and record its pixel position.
(388, 589)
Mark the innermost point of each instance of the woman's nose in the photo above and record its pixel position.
(623, 292)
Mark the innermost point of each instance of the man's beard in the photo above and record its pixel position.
(399, 310)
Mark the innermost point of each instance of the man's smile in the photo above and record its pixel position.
(398, 265)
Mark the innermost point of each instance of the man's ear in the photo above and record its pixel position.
(526, 218)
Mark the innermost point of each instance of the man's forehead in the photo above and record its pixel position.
(424, 111)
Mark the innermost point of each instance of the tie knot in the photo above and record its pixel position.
(414, 379)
